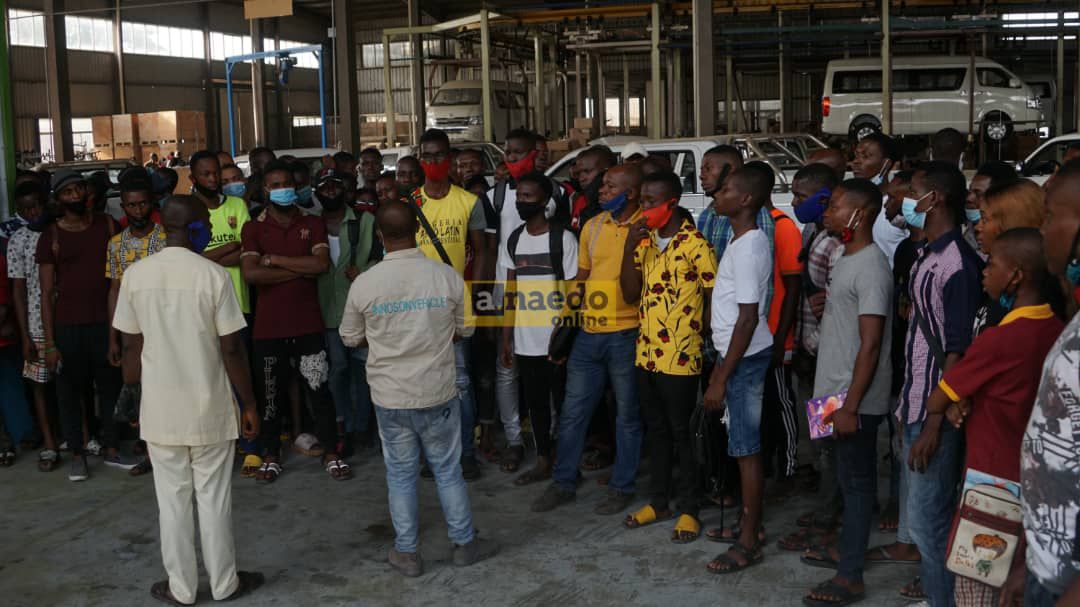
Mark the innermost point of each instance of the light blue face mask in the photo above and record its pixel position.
(915, 219)
(973, 215)
(303, 195)
(284, 197)
(236, 188)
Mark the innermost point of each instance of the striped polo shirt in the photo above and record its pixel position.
(945, 289)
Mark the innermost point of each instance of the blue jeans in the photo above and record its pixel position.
(468, 403)
(348, 383)
(435, 431)
(745, 391)
(595, 358)
(856, 470)
(1037, 595)
(931, 499)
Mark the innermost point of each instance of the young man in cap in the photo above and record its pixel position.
(71, 254)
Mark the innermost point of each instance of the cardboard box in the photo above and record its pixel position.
(581, 135)
(559, 145)
(583, 123)
(148, 129)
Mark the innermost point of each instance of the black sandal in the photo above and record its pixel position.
(512, 458)
(822, 558)
(161, 592)
(844, 596)
(249, 582)
(753, 556)
(7, 458)
(532, 476)
(48, 460)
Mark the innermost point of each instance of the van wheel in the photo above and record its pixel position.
(996, 127)
(863, 126)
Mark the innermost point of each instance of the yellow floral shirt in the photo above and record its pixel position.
(673, 301)
(125, 249)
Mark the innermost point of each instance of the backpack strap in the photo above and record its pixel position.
(555, 249)
(431, 233)
(500, 196)
(352, 228)
(512, 242)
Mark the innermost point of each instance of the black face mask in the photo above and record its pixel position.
(592, 191)
(139, 223)
(78, 207)
(527, 210)
(205, 192)
(332, 204)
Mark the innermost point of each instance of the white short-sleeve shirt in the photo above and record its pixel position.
(742, 278)
(181, 303)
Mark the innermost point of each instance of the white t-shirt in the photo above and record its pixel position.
(887, 236)
(335, 247)
(742, 278)
(536, 283)
(510, 220)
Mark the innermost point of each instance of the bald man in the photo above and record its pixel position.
(408, 312)
(180, 309)
(832, 158)
(605, 349)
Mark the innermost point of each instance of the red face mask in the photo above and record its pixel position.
(522, 167)
(658, 216)
(436, 171)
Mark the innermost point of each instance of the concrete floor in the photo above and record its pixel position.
(325, 543)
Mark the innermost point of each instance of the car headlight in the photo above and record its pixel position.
(1034, 103)
(476, 120)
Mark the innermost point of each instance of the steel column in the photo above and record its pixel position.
(485, 75)
(579, 93)
(539, 122)
(782, 68)
(729, 90)
(656, 126)
(416, 74)
(118, 46)
(210, 97)
(258, 85)
(388, 94)
(56, 68)
(347, 99)
(1059, 103)
(886, 71)
(624, 106)
(704, 72)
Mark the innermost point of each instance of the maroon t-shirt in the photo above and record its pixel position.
(1000, 373)
(81, 287)
(287, 309)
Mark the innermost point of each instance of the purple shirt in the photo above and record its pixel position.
(945, 289)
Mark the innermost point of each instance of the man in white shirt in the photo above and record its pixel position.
(875, 157)
(180, 310)
(409, 311)
(743, 342)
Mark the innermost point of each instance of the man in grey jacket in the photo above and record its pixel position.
(408, 311)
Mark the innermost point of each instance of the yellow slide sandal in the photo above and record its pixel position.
(646, 516)
(251, 465)
(687, 529)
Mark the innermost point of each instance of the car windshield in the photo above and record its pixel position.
(447, 97)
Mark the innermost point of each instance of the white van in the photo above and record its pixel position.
(457, 109)
(929, 94)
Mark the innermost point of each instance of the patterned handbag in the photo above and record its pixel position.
(985, 533)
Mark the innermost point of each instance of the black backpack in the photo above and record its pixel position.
(555, 248)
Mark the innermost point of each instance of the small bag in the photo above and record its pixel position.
(127, 404)
(985, 533)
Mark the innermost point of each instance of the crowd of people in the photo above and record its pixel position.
(593, 320)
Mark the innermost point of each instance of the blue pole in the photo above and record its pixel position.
(228, 96)
(322, 99)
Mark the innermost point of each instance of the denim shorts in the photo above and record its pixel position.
(745, 391)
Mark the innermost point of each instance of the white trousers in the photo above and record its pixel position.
(205, 473)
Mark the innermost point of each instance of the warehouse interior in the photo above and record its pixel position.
(665, 69)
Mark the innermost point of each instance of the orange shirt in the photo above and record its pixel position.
(788, 243)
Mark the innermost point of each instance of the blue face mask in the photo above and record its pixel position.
(303, 195)
(1007, 300)
(198, 235)
(615, 205)
(915, 219)
(973, 215)
(1072, 270)
(810, 210)
(285, 197)
(236, 188)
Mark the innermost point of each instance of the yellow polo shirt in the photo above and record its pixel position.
(673, 301)
(600, 252)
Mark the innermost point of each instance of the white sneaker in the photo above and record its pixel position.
(64, 446)
(94, 447)
(79, 471)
